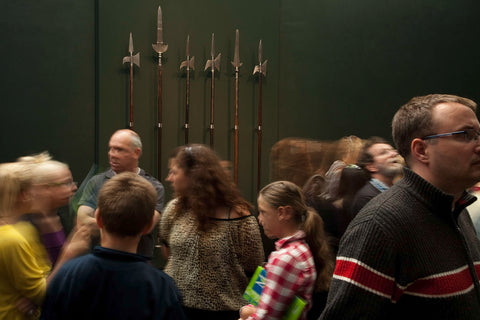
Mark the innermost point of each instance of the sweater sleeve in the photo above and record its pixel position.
(363, 285)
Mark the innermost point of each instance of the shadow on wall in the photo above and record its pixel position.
(297, 159)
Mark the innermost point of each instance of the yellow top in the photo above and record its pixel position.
(23, 271)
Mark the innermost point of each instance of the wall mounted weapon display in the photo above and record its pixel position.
(131, 60)
(159, 48)
(188, 64)
(236, 64)
(261, 70)
(213, 64)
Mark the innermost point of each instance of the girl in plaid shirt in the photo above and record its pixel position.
(302, 261)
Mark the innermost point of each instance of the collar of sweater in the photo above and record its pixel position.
(435, 198)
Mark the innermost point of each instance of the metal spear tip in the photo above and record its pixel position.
(236, 58)
(260, 49)
(130, 44)
(212, 51)
(159, 26)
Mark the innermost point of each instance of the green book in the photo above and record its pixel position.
(254, 291)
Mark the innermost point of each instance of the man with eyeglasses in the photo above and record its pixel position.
(412, 251)
(383, 164)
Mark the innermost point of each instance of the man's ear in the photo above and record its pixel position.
(419, 150)
(99, 219)
(138, 152)
(371, 167)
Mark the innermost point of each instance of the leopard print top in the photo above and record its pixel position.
(209, 267)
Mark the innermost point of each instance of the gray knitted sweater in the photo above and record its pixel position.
(407, 255)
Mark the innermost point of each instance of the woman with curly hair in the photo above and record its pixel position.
(302, 262)
(211, 240)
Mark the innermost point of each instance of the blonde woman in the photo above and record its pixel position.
(23, 274)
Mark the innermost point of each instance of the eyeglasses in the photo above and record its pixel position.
(61, 184)
(468, 135)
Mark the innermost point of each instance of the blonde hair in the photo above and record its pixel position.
(17, 177)
(286, 193)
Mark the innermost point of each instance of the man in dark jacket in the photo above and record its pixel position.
(412, 251)
(382, 162)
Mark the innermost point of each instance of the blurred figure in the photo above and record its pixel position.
(474, 208)
(302, 262)
(114, 282)
(23, 271)
(352, 179)
(336, 214)
(314, 197)
(209, 236)
(57, 190)
(348, 150)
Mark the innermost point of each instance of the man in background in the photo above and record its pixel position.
(124, 151)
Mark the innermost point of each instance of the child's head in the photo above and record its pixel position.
(126, 205)
(282, 211)
(281, 205)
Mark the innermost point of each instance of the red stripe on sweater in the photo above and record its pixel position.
(445, 284)
(361, 275)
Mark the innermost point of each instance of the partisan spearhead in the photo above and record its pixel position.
(262, 66)
(190, 62)
(159, 47)
(214, 63)
(236, 58)
(132, 59)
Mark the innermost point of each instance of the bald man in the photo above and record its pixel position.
(124, 151)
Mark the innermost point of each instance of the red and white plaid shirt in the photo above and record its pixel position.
(290, 272)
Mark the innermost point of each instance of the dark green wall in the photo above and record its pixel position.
(347, 65)
(335, 68)
(47, 81)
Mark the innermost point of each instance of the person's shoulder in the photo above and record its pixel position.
(239, 212)
(100, 177)
(11, 236)
(156, 183)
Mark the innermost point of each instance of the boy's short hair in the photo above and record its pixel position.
(126, 204)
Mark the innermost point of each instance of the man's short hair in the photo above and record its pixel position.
(135, 140)
(365, 156)
(126, 204)
(414, 119)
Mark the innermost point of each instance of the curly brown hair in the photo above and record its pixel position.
(210, 186)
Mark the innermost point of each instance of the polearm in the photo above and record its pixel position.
(236, 64)
(261, 69)
(188, 64)
(132, 60)
(160, 48)
(213, 64)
